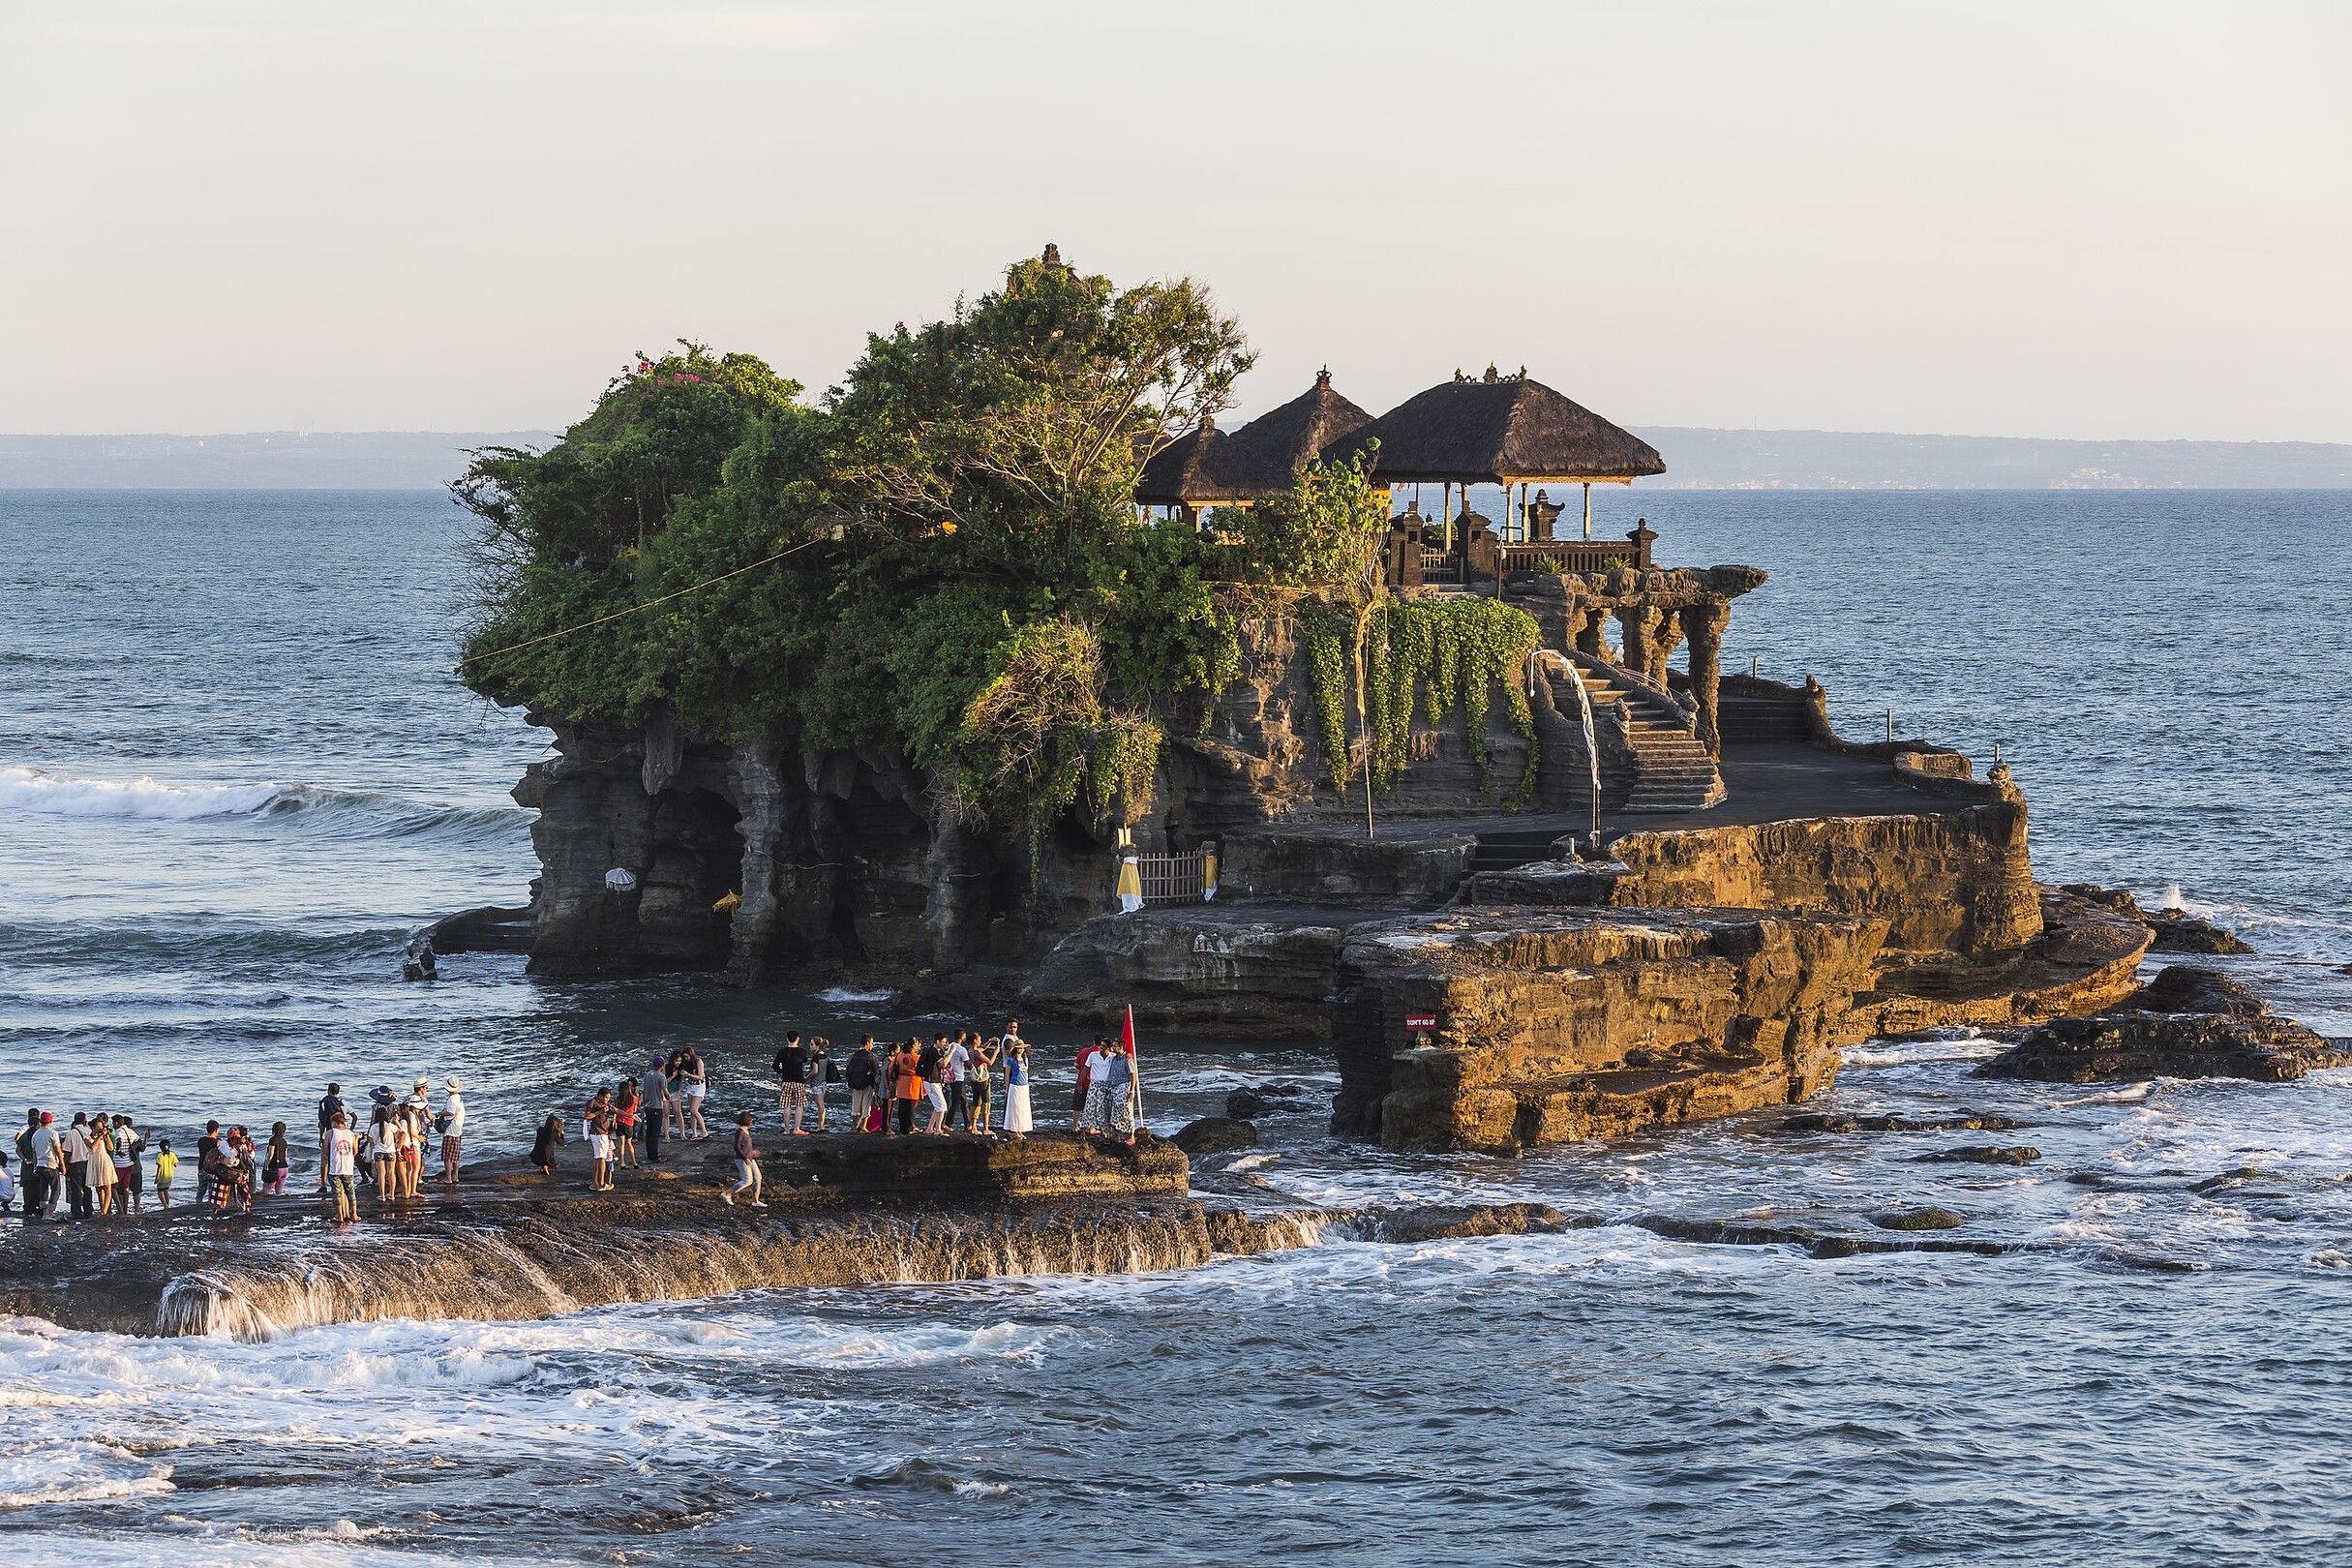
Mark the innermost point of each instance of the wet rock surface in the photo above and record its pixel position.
(1964, 1120)
(2176, 929)
(1214, 1135)
(1982, 1154)
(1275, 1099)
(1918, 1219)
(2188, 1022)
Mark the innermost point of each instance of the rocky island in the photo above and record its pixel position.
(1004, 671)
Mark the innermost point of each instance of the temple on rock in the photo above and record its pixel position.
(1661, 728)
(1536, 878)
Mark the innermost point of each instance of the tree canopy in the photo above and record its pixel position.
(946, 556)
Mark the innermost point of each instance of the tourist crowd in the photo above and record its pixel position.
(965, 1083)
(94, 1166)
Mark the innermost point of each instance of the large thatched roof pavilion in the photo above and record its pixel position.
(1501, 430)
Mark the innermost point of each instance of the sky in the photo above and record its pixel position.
(2081, 220)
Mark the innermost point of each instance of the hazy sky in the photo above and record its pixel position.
(2128, 219)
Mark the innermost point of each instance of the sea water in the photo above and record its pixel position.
(236, 772)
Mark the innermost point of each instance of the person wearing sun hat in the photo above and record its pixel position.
(452, 1123)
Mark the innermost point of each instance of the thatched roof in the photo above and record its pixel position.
(1497, 430)
(1207, 465)
(1195, 469)
(1277, 444)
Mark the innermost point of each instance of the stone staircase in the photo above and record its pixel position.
(1512, 848)
(1672, 770)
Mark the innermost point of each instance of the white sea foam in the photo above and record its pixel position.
(59, 1469)
(61, 795)
(843, 995)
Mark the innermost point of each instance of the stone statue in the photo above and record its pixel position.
(1541, 514)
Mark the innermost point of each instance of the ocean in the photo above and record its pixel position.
(236, 773)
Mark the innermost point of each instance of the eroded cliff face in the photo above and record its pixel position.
(1555, 1026)
(846, 860)
(1942, 881)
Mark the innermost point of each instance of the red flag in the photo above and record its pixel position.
(1127, 1034)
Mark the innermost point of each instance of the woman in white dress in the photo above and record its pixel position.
(1016, 1087)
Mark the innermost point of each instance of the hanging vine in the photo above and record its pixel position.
(1324, 637)
(1433, 654)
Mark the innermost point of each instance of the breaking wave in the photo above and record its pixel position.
(42, 792)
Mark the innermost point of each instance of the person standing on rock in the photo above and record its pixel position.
(930, 1061)
(820, 1068)
(625, 1109)
(653, 1095)
(979, 1082)
(280, 1160)
(98, 1166)
(77, 1166)
(330, 1114)
(338, 1161)
(906, 1088)
(746, 1163)
(384, 1152)
(791, 1063)
(598, 1123)
(1080, 1100)
(1016, 1088)
(858, 1073)
(695, 1083)
(453, 1132)
(953, 1061)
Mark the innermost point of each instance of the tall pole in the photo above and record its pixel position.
(1587, 508)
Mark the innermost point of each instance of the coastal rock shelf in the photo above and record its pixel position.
(844, 1212)
(1550, 1026)
(2188, 1022)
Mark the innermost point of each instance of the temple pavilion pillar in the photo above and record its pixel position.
(1590, 638)
(1703, 624)
(1637, 623)
(1664, 639)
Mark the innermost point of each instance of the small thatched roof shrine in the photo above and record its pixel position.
(1196, 468)
(1503, 430)
(1206, 467)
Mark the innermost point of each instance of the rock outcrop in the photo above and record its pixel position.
(2188, 1022)
(1244, 972)
(1549, 1026)
(1942, 881)
(2176, 929)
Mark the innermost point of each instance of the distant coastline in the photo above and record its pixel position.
(1697, 459)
